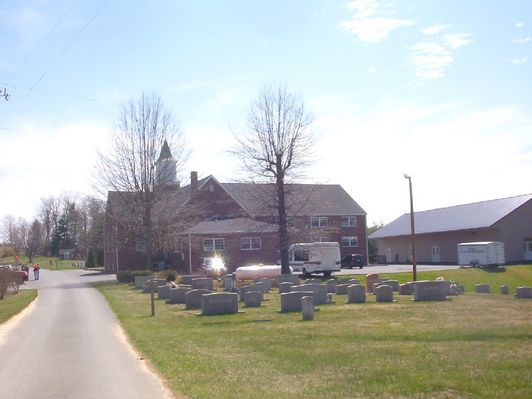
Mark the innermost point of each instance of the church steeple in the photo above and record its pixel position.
(166, 167)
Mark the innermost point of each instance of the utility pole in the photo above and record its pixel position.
(412, 229)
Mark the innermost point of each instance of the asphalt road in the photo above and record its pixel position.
(68, 344)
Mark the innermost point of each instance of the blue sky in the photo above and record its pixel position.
(441, 90)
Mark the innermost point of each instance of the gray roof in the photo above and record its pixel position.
(258, 199)
(460, 217)
(165, 152)
(302, 199)
(227, 226)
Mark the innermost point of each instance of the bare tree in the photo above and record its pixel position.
(49, 215)
(275, 147)
(131, 168)
(34, 241)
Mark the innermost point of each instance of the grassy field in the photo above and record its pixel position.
(472, 346)
(12, 304)
(45, 262)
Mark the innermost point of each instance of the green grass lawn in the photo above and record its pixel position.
(45, 262)
(14, 303)
(471, 346)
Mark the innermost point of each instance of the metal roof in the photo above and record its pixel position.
(460, 217)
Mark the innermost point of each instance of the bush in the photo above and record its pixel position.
(8, 280)
(128, 276)
(8, 251)
(90, 260)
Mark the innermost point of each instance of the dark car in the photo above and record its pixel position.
(352, 260)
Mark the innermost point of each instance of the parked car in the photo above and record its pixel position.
(213, 266)
(20, 275)
(352, 260)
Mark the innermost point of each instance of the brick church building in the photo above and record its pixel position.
(234, 220)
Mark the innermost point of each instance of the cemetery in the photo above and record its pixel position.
(291, 326)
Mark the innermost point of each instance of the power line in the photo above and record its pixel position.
(65, 50)
(42, 41)
(56, 93)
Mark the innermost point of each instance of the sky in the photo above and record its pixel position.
(437, 89)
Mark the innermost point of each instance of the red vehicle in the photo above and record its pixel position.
(21, 275)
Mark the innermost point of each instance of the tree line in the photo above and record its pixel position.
(66, 222)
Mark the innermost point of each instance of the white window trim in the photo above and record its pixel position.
(320, 219)
(250, 241)
(350, 238)
(351, 221)
(213, 240)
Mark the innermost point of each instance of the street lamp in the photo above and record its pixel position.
(412, 229)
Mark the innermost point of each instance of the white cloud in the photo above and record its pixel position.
(369, 23)
(525, 39)
(457, 40)
(517, 61)
(31, 175)
(434, 30)
(431, 58)
(519, 24)
(435, 144)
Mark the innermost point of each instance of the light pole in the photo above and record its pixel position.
(412, 229)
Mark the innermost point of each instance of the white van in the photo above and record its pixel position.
(315, 257)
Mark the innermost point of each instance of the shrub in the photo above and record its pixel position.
(128, 276)
(7, 280)
(90, 260)
(8, 251)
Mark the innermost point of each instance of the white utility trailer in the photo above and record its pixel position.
(478, 254)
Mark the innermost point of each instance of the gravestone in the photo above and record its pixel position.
(141, 280)
(307, 307)
(266, 282)
(460, 289)
(219, 303)
(523, 292)
(252, 287)
(341, 289)
(370, 280)
(285, 287)
(332, 283)
(177, 295)
(384, 293)
(253, 299)
(330, 298)
(430, 291)
(504, 290)
(392, 283)
(163, 292)
(356, 293)
(319, 290)
(187, 279)
(193, 298)
(482, 289)
(228, 282)
(202, 283)
(291, 301)
(284, 278)
(158, 283)
(406, 289)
